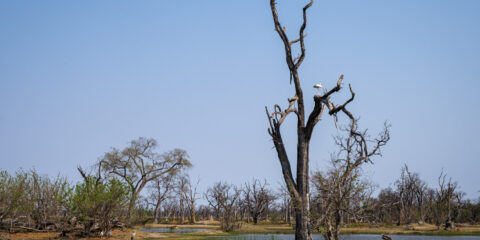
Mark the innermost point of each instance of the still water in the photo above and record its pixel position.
(346, 237)
(315, 236)
(172, 230)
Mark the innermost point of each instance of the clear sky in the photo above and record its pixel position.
(79, 77)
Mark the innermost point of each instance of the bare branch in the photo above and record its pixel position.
(302, 28)
(84, 175)
(283, 114)
(320, 101)
(341, 107)
(335, 89)
(297, 40)
(292, 65)
(282, 32)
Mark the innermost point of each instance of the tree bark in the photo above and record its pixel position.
(192, 214)
(302, 224)
(131, 206)
(255, 219)
(299, 188)
(182, 209)
(133, 199)
(156, 213)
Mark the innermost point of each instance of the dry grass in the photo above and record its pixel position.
(427, 229)
(265, 228)
(197, 225)
(29, 235)
(117, 234)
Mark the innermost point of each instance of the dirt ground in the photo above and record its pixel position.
(116, 235)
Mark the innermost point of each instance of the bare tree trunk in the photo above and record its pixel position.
(338, 220)
(329, 233)
(131, 206)
(266, 212)
(289, 213)
(182, 209)
(192, 213)
(156, 213)
(301, 226)
(133, 200)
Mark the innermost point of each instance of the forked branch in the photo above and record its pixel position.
(301, 35)
(282, 114)
(274, 132)
(333, 110)
(320, 102)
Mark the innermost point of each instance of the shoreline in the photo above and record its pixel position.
(213, 230)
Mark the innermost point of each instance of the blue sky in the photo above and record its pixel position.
(77, 78)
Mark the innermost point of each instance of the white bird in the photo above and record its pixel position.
(132, 236)
(318, 86)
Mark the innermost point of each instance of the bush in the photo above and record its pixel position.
(95, 202)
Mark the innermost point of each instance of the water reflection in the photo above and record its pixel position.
(172, 230)
(347, 237)
(315, 236)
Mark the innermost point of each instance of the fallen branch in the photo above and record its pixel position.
(385, 237)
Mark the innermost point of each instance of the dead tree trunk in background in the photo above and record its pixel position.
(161, 188)
(191, 196)
(182, 182)
(299, 188)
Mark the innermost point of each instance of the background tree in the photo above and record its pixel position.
(257, 196)
(406, 191)
(223, 198)
(190, 195)
(160, 188)
(286, 203)
(388, 206)
(49, 200)
(13, 198)
(98, 201)
(340, 190)
(181, 190)
(412, 193)
(138, 164)
(445, 197)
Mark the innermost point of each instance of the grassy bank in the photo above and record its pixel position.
(413, 229)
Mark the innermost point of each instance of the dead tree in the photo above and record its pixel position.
(411, 190)
(223, 198)
(340, 190)
(257, 196)
(160, 190)
(190, 196)
(299, 187)
(286, 203)
(406, 190)
(444, 201)
(181, 188)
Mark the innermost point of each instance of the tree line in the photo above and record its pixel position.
(139, 185)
